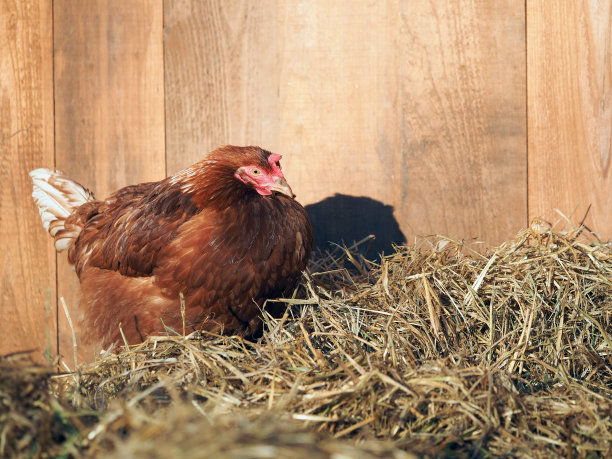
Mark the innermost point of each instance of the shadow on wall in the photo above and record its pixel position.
(348, 219)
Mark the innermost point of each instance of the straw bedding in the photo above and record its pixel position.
(436, 349)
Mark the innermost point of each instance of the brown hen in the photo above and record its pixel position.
(225, 233)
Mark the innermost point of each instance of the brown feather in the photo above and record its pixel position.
(202, 233)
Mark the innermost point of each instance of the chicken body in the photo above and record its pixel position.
(226, 234)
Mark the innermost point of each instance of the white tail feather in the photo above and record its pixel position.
(56, 196)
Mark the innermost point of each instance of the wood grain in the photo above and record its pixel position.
(569, 57)
(314, 81)
(412, 106)
(463, 119)
(109, 103)
(340, 107)
(27, 272)
(222, 76)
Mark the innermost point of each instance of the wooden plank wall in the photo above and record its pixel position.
(27, 270)
(570, 111)
(389, 103)
(463, 118)
(109, 104)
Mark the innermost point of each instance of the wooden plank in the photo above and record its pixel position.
(340, 108)
(463, 119)
(27, 272)
(385, 110)
(222, 76)
(569, 55)
(109, 103)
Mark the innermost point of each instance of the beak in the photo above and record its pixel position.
(281, 186)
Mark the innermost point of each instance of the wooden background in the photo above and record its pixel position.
(459, 117)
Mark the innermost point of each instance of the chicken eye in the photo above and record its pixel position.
(255, 171)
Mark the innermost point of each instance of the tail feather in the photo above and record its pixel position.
(56, 197)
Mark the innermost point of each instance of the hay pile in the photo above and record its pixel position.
(438, 350)
(27, 415)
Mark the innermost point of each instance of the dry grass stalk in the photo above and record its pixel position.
(440, 349)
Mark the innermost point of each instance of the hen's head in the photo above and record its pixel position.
(231, 171)
(262, 172)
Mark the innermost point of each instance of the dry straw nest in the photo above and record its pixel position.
(436, 350)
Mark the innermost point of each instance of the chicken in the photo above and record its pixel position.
(221, 236)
